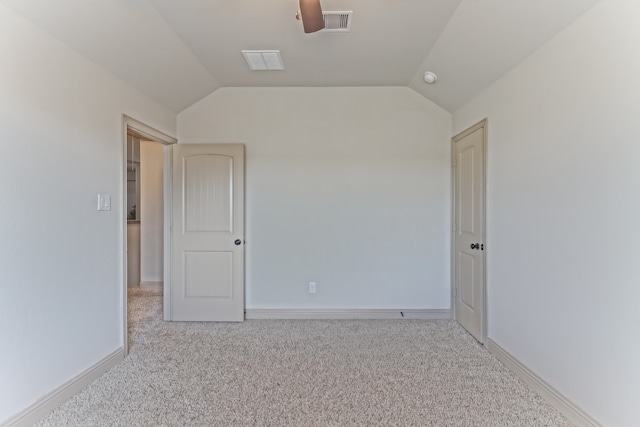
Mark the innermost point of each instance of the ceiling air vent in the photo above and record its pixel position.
(263, 60)
(337, 21)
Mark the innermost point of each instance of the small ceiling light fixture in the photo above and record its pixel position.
(430, 77)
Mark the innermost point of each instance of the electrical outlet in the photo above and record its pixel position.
(312, 287)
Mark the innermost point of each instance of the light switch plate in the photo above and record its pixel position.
(104, 202)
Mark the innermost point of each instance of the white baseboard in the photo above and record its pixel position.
(47, 403)
(576, 415)
(322, 314)
(152, 286)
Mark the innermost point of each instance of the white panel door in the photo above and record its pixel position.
(208, 233)
(469, 248)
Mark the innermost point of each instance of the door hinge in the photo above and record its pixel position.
(453, 227)
(453, 162)
(455, 292)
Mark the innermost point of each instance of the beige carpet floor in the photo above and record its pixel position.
(302, 373)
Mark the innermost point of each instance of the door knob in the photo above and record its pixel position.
(475, 246)
(237, 242)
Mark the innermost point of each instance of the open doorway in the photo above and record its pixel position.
(146, 216)
(144, 213)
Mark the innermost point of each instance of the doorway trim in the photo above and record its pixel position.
(147, 133)
(482, 124)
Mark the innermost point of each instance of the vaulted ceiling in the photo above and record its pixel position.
(179, 51)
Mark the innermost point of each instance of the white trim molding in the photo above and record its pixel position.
(566, 407)
(167, 172)
(323, 314)
(50, 401)
(152, 286)
(147, 132)
(144, 132)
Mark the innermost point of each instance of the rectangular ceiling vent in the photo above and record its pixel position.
(337, 21)
(263, 60)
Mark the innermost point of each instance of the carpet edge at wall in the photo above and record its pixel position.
(50, 401)
(556, 399)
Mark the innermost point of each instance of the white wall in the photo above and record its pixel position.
(348, 187)
(151, 211)
(60, 259)
(563, 227)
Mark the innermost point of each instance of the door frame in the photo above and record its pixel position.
(147, 133)
(482, 124)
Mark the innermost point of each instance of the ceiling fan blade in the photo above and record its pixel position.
(311, 12)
